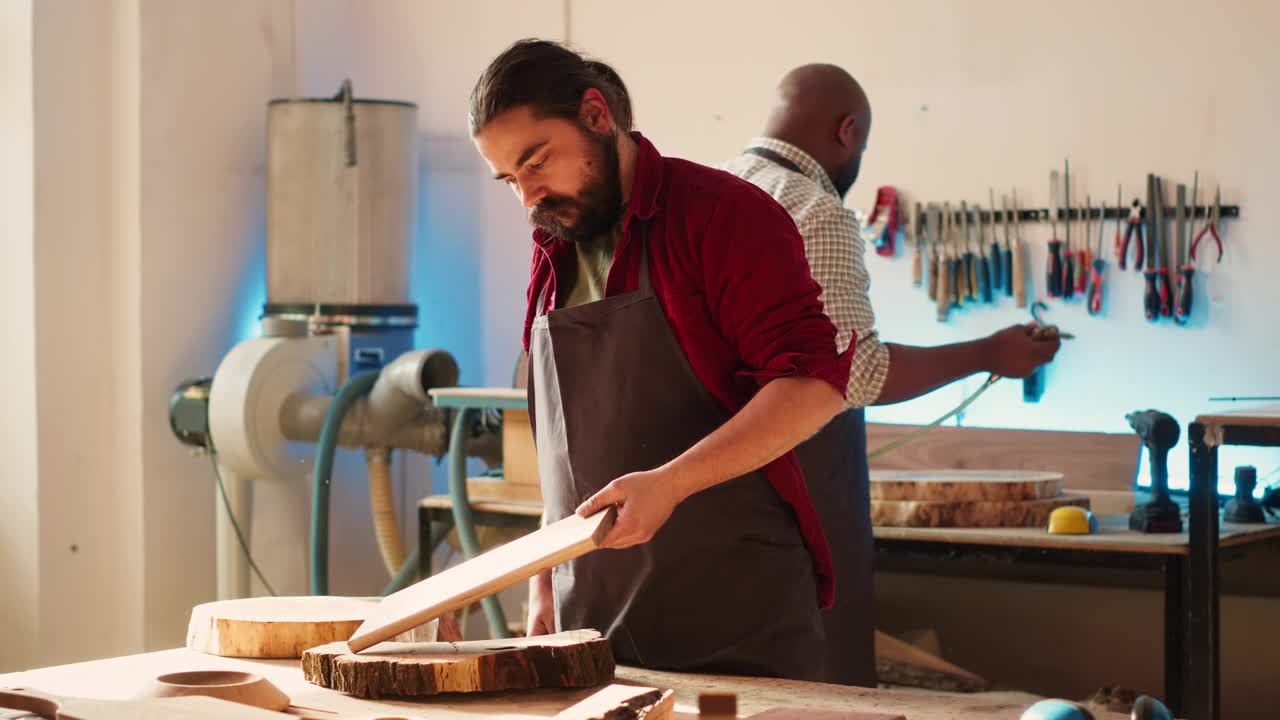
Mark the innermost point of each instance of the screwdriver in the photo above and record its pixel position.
(997, 279)
(1166, 281)
(1018, 263)
(982, 268)
(1098, 265)
(957, 263)
(1006, 258)
(1068, 259)
(1182, 311)
(1053, 274)
(945, 265)
(1084, 259)
(970, 257)
(914, 227)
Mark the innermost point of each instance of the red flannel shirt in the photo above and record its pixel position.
(729, 269)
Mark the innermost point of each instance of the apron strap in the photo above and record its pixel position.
(774, 157)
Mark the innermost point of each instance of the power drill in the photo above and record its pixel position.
(1159, 433)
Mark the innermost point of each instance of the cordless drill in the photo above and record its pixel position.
(1159, 433)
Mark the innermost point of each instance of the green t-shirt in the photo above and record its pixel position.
(594, 260)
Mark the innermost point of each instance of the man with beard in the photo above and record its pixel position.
(807, 160)
(678, 353)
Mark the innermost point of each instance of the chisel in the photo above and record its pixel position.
(997, 278)
(1006, 258)
(945, 265)
(981, 266)
(1019, 262)
(1053, 273)
(1151, 294)
(956, 268)
(1068, 259)
(970, 280)
(1183, 311)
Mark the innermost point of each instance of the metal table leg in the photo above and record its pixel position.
(462, 513)
(1175, 632)
(1201, 682)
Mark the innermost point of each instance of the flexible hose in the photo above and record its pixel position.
(351, 390)
(382, 505)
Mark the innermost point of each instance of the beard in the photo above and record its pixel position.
(597, 206)
(848, 176)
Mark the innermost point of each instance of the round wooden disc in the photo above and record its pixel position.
(274, 627)
(964, 485)
(981, 513)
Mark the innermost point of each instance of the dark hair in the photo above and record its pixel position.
(550, 78)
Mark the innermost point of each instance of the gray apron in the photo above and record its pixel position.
(726, 585)
(835, 468)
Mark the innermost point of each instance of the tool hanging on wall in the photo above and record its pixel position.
(1135, 226)
(1182, 295)
(997, 262)
(915, 233)
(1165, 277)
(1053, 270)
(1018, 261)
(945, 265)
(1084, 258)
(1151, 294)
(1068, 257)
(1211, 225)
(882, 225)
(1098, 265)
(957, 261)
(933, 227)
(982, 266)
(968, 280)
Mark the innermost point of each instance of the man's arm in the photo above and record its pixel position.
(915, 371)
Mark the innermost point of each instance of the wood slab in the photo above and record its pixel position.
(482, 576)
(53, 707)
(624, 702)
(1014, 513)
(900, 663)
(282, 627)
(577, 659)
(964, 485)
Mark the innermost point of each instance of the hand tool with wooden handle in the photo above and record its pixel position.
(1019, 262)
(996, 261)
(957, 261)
(982, 269)
(1068, 257)
(1151, 293)
(1053, 270)
(946, 266)
(1182, 296)
(914, 227)
(967, 288)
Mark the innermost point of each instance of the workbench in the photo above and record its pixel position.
(118, 678)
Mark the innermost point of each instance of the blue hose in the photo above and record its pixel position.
(355, 386)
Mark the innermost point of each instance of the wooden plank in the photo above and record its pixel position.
(415, 670)
(118, 677)
(1011, 513)
(624, 702)
(481, 489)
(482, 576)
(1262, 416)
(1105, 461)
(891, 649)
(973, 485)
(444, 502)
(480, 397)
(793, 713)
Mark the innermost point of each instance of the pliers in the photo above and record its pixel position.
(1211, 227)
(1135, 222)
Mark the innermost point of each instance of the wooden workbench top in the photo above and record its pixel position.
(119, 678)
(1262, 416)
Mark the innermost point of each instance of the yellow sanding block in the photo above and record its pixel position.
(1072, 521)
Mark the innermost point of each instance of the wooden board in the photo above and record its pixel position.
(482, 576)
(519, 459)
(1258, 416)
(804, 714)
(1014, 513)
(281, 627)
(496, 489)
(966, 485)
(901, 663)
(53, 707)
(624, 702)
(1106, 461)
(581, 658)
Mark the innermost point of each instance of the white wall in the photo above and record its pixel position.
(19, 461)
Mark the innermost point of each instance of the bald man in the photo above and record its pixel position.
(808, 159)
